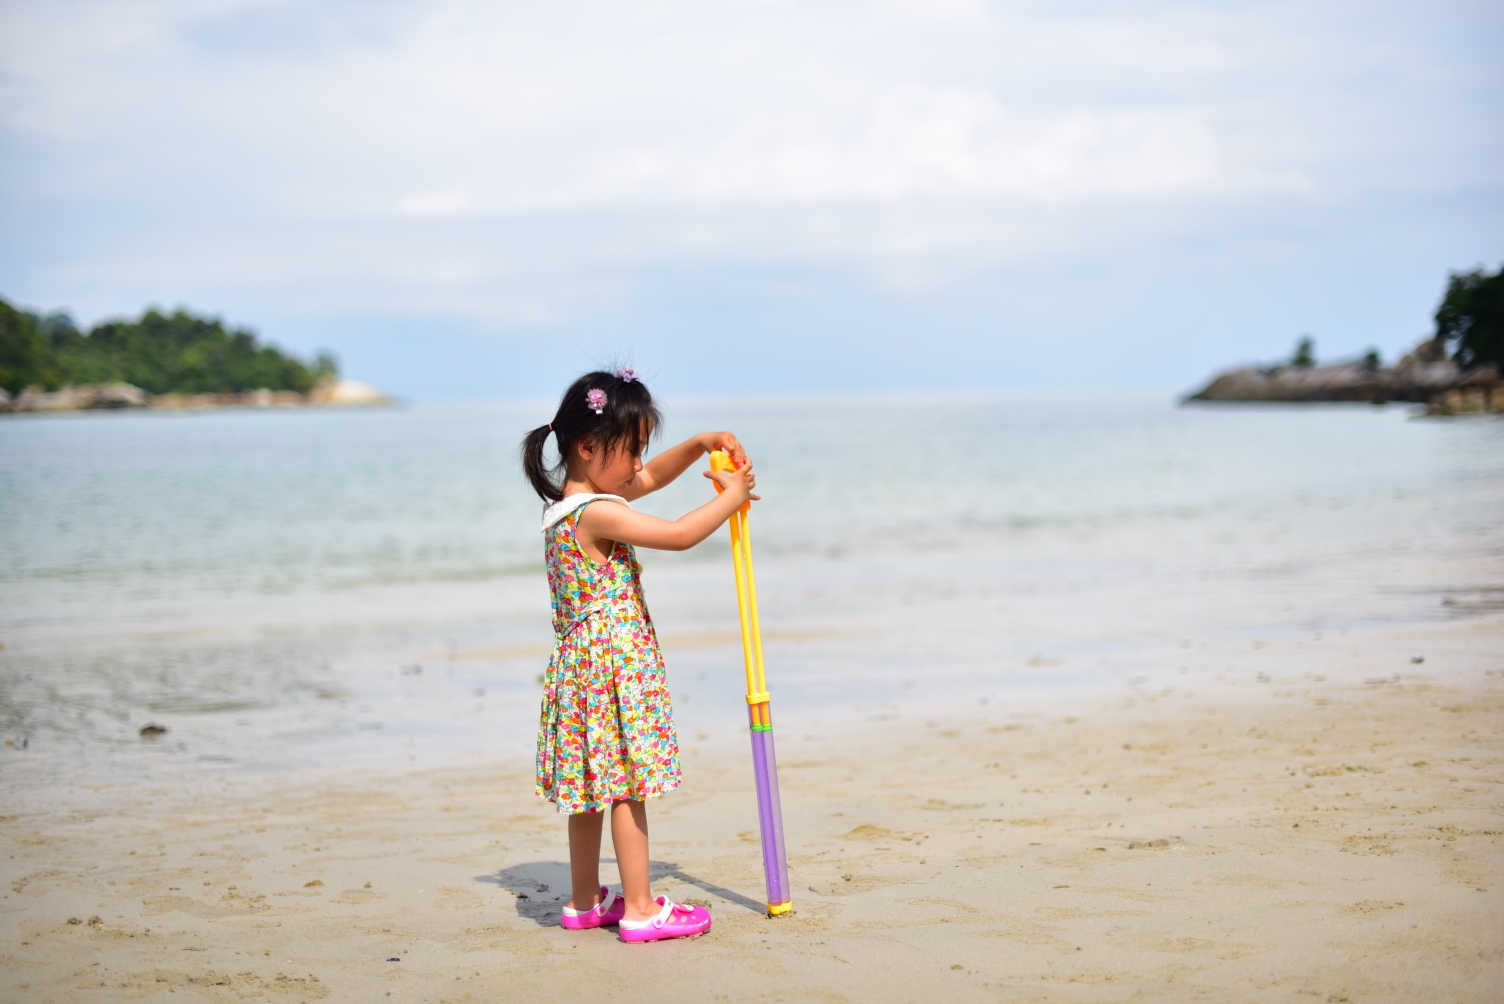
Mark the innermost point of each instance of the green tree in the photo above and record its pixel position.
(159, 353)
(26, 358)
(1305, 353)
(1472, 315)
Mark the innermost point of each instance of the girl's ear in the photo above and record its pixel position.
(585, 447)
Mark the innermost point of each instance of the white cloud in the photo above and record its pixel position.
(919, 140)
(908, 143)
(434, 204)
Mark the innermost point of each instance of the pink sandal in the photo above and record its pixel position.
(605, 913)
(673, 921)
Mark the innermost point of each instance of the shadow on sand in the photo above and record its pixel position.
(542, 887)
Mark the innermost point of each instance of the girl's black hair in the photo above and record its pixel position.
(628, 419)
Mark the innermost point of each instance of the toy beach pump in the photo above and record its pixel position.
(775, 864)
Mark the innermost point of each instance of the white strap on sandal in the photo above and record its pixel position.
(603, 907)
(658, 920)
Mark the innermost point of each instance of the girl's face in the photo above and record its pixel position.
(611, 472)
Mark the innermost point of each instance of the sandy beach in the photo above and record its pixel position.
(1294, 840)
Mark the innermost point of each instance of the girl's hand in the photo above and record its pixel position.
(738, 483)
(675, 460)
(725, 442)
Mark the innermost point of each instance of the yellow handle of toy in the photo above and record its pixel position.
(721, 461)
(746, 591)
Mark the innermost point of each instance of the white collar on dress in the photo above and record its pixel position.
(565, 506)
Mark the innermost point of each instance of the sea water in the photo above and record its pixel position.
(315, 589)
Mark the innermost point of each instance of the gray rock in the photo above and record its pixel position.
(1424, 376)
(66, 399)
(77, 398)
(119, 395)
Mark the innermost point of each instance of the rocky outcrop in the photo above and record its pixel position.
(1425, 376)
(1478, 391)
(342, 391)
(330, 391)
(81, 398)
(262, 398)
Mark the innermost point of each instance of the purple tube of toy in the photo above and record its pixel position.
(769, 813)
(778, 874)
(764, 814)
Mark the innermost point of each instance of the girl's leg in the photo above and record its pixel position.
(585, 859)
(629, 835)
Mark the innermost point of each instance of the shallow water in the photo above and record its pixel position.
(286, 589)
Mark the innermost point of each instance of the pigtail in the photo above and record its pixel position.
(534, 467)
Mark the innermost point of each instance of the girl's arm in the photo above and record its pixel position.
(675, 460)
(602, 523)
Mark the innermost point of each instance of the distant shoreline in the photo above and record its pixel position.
(1424, 376)
(331, 392)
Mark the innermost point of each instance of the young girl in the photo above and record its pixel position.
(606, 737)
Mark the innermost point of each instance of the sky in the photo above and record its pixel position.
(482, 199)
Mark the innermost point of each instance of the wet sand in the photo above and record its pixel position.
(1295, 839)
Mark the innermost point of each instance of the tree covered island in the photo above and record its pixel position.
(1454, 371)
(161, 360)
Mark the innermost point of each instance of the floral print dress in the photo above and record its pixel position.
(606, 728)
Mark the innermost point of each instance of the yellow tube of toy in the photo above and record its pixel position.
(746, 535)
(748, 658)
(746, 600)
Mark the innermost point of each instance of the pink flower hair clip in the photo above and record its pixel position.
(595, 400)
(626, 373)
